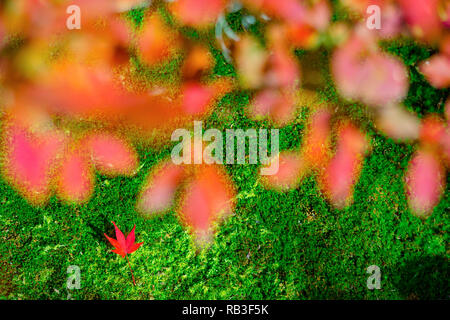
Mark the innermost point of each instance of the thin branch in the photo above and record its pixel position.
(132, 275)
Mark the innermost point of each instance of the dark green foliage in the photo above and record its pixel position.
(422, 97)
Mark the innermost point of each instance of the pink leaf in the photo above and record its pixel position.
(197, 13)
(437, 70)
(345, 167)
(75, 178)
(317, 142)
(112, 155)
(319, 15)
(422, 18)
(424, 182)
(196, 98)
(364, 74)
(432, 131)
(447, 111)
(283, 70)
(208, 199)
(292, 11)
(30, 161)
(398, 123)
(159, 192)
(277, 105)
(445, 143)
(291, 170)
(444, 46)
(157, 41)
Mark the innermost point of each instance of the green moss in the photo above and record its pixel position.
(136, 15)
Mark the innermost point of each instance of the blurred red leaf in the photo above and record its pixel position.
(292, 11)
(424, 182)
(398, 123)
(196, 98)
(292, 168)
(30, 160)
(317, 142)
(208, 199)
(156, 41)
(422, 18)
(276, 104)
(345, 167)
(432, 130)
(198, 61)
(437, 70)
(158, 194)
(363, 73)
(445, 143)
(447, 111)
(198, 13)
(75, 178)
(112, 155)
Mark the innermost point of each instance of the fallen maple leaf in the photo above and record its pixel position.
(124, 246)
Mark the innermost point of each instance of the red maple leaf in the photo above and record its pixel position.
(123, 246)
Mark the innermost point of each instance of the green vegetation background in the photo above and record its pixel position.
(276, 246)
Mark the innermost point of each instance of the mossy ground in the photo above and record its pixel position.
(276, 246)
